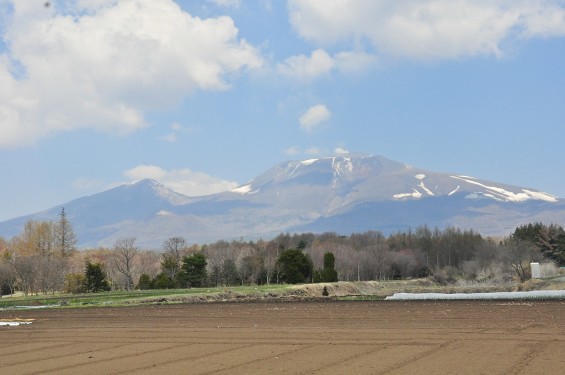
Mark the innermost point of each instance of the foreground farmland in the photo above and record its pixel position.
(445, 337)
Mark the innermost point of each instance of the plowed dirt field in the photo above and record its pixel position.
(447, 337)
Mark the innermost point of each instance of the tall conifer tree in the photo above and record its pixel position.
(65, 238)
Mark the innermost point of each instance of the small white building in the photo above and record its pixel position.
(536, 273)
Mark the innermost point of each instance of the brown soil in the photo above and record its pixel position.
(447, 337)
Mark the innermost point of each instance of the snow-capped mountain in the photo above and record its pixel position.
(341, 194)
(383, 179)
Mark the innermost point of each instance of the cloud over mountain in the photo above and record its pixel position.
(184, 180)
(314, 116)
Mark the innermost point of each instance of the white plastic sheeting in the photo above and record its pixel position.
(13, 323)
(538, 294)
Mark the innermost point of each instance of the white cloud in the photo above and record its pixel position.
(340, 151)
(93, 5)
(173, 135)
(184, 181)
(427, 29)
(306, 68)
(313, 151)
(291, 151)
(226, 3)
(314, 116)
(354, 61)
(104, 63)
(320, 63)
(142, 172)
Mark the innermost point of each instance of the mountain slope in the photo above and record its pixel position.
(342, 194)
(97, 216)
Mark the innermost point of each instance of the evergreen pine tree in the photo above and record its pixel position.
(65, 238)
(329, 274)
(194, 268)
(95, 278)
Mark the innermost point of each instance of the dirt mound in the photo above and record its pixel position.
(338, 289)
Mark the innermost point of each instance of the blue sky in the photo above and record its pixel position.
(205, 95)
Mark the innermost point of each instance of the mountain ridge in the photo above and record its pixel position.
(343, 194)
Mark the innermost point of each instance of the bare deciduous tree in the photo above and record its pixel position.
(148, 263)
(7, 277)
(270, 252)
(518, 254)
(26, 271)
(123, 257)
(173, 249)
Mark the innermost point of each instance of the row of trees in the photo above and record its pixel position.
(37, 259)
(191, 274)
(548, 239)
(43, 258)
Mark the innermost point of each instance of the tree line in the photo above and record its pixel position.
(43, 259)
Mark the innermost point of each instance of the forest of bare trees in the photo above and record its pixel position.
(43, 258)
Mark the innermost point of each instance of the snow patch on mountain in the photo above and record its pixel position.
(245, 189)
(425, 188)
(454, 190)
(415, 194)
(343, 168)
(541, 196)
(171, 196)
(344, 165)
(308, 162)
(508, 196)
